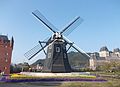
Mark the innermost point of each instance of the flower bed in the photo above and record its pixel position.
(54, 79)
(26, 78)
(72, 76)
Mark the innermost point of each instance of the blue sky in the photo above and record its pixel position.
(101, 25)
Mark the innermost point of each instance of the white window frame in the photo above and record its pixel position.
(58, 49)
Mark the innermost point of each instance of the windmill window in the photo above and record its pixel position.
(57, 49)
(49, 55)
(50, 46)
(64, 55)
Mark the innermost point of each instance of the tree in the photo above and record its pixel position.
(112, 66)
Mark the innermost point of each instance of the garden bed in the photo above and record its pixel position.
(54, 79)
(28, 78)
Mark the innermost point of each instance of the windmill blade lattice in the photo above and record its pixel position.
(76, 47)
(34, 51)
(41, 18)
(80, 51)
(71, 26)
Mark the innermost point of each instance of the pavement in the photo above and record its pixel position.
(31, 84)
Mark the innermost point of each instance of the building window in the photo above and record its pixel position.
(5, 68)
(57, 49)
(6, 54)
(5, 46)
(6, 59)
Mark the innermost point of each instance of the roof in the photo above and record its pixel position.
(116, 50)
(104, 49)
(3, 37)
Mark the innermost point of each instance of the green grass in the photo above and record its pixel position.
(111, 82)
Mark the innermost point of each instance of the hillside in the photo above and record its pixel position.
(75, 59)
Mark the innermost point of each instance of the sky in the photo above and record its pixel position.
(100, 26)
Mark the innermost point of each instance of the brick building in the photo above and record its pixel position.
(6, 47)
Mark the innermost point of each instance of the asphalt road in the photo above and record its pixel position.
(31, 84)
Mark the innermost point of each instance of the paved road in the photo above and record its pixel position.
(31, 84)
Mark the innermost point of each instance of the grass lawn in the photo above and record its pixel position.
(111, 81)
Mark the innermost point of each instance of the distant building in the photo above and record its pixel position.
(6, 47)
(36, 68)
(104, 52)
(103, 56)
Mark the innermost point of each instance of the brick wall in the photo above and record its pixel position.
(6, 47)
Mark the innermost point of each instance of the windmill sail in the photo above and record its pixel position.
(71, 26)
(76, 47)
(34, 51)
(41, 18)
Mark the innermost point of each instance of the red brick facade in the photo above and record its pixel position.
(6, 47)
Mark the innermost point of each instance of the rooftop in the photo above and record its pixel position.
(104, 49)
(4, 37)
(116, 50)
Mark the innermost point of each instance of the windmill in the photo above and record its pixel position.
(56, 55)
